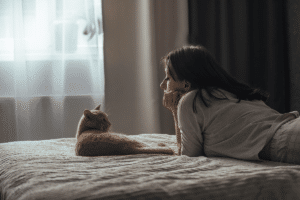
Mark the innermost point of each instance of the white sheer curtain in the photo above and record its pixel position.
(51, 66)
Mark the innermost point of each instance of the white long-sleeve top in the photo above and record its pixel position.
(227, 128)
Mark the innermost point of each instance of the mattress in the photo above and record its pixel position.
(49, 169)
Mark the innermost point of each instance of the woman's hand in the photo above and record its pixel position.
(171, 100)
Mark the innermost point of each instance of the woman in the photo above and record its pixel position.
(219, 116)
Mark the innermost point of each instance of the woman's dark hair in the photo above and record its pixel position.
(196, 65)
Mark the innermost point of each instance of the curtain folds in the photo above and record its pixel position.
(137, 35)
(51, 66)
(250, 40)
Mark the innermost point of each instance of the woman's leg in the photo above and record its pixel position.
(292, 142)
(285, 145)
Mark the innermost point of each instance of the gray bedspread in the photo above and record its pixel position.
(49, 169)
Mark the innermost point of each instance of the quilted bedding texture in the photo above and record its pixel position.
(49, 169)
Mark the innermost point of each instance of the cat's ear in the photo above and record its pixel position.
(87, 113)
(98, 107)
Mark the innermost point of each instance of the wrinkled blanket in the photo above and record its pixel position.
(49, 169)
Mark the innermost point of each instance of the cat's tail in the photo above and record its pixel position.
(156, 151)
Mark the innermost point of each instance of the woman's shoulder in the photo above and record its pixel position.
(189, 96)
(187, 99)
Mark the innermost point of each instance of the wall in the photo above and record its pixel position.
(136, 35)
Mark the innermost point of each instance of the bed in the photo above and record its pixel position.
(49, 169)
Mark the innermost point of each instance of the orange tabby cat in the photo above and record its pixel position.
(94, 138)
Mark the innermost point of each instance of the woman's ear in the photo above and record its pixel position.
(187, 86)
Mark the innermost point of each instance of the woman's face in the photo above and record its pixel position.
(169, 84)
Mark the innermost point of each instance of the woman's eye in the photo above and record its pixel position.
(166, 79)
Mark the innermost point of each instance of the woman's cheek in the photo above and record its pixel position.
(168, 89)
(172, 87)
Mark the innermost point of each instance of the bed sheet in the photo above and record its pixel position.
(49, 169)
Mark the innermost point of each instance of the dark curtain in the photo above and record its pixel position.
(250, 39)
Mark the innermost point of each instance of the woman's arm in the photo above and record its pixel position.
(177, 132)
(189, 133)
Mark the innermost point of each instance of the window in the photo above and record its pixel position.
(49, 29)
